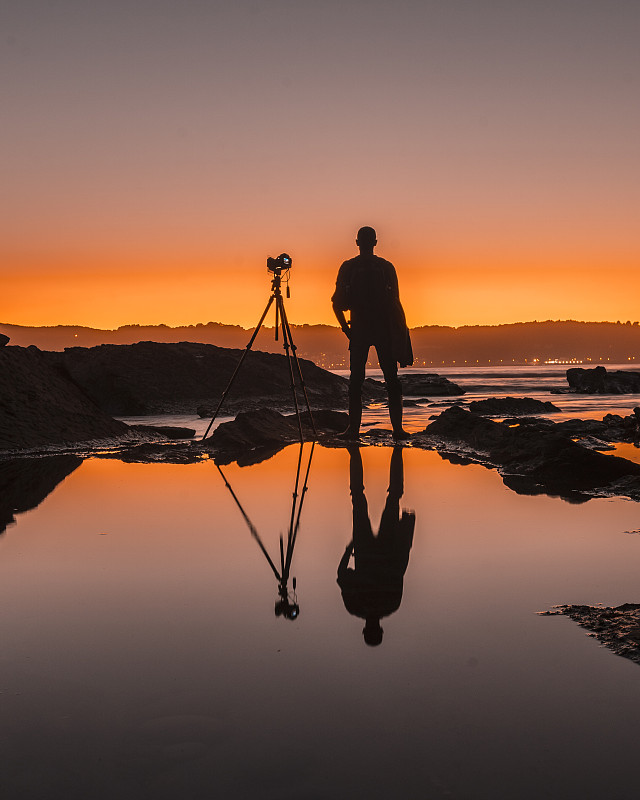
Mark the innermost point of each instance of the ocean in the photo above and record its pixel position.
(478, 383)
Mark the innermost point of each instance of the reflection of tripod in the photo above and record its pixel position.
(290, 349)
(287, 606)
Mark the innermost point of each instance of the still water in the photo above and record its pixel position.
(142, 656)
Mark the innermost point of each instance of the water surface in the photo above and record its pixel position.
(142, 657)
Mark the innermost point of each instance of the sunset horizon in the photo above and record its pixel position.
(155, 156)
(493, 296)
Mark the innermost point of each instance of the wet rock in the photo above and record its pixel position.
(430, 384)
(373, 390)
(611, 428)
(540, 457)
(512, 407)
(617, 628)
(156, 453)
(593, 432)
(599, 381)
(168, 431)
(267, 431)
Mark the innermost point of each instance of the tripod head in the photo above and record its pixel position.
(280, 267)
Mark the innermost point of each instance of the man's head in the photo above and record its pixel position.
(366, 239)
(372, 631)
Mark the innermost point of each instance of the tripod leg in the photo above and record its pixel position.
(286, 345)
(293, 532)
(238, 365)
(252, 528)
(287, 331)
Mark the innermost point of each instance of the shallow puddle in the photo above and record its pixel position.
(143, 656)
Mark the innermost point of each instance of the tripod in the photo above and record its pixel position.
(290, 349)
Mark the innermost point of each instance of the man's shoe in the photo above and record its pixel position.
(401, 435)
(350, 435)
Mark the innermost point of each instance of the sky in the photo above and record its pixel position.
(155, 152)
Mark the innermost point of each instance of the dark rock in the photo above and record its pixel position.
(156, 452)
(25, 482)
(545, 457)
(40, 406)
(168, 431)
(430, 384)
(511, 406)
(599, 381)
(448, 403)
(373, 390)
(266, 431)
(612, 428)
(151, 378)
(3, 339)
(617, 628)
(592, 432)
(540, 423)
(327, 421)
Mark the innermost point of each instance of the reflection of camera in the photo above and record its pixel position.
(285, 608)
(276, 265)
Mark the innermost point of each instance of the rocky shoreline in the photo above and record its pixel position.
(63, 402)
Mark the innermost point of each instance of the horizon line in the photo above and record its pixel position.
(631, 323)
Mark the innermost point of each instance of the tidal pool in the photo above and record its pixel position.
(142, 656)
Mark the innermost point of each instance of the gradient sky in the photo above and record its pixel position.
(155, 152)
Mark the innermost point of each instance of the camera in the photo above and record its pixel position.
(277, 265)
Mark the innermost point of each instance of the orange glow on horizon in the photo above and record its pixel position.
(443, 294)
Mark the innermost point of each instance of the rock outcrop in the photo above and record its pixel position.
(429, 384)
(40, 406)
(153, 378)
(611, 428)
(512, 407)
(255, 435)
(599, 381)
(532, 459)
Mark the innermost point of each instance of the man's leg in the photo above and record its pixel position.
(391, 513)
(358, 359)
(389, 368)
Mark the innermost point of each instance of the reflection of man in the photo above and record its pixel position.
(373, 588)
(367, 286)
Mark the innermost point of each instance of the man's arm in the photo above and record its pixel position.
(342, 321)
(340, 302)
(343, 566)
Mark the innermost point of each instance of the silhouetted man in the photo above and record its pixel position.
(367, 286)
(373, 588)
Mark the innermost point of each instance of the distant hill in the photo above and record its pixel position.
(434, 346)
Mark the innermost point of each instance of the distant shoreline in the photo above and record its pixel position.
(534, 344)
